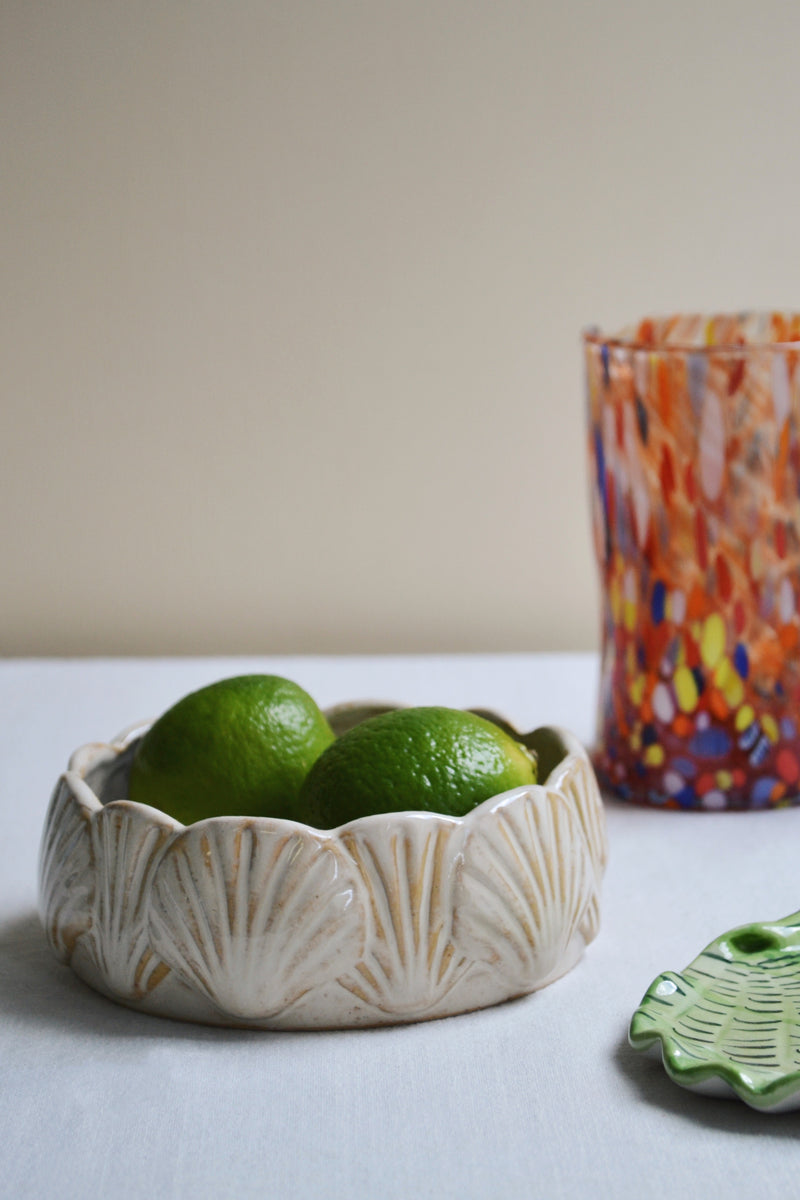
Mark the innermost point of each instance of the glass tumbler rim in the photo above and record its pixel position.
(629, 339)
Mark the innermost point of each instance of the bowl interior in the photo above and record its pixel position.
(108, 775)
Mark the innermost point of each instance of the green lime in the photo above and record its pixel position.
(239, 747)
(414, 759)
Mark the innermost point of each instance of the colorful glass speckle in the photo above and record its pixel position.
(695, 453)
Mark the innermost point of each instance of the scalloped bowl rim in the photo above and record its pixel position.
(94, 754)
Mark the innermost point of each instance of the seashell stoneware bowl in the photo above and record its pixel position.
(265, 923)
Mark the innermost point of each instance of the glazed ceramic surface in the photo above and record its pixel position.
(272, 924)
(695, 459)
(729, 1024)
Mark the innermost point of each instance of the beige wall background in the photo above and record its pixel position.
(292, 295)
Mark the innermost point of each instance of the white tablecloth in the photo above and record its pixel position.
(538, 1098)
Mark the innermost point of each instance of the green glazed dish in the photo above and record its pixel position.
(729, 1024)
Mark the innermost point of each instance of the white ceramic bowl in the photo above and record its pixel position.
(265, 923)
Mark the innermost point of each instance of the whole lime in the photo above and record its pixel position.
(239, 747)
(414, 759)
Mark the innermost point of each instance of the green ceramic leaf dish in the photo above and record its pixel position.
(730, 1022)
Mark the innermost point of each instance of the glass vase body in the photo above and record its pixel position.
(694, 426)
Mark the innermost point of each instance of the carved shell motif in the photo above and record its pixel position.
(127, 841)
(575, 781)
(66, 866)
(253, 914)
(525, 886)
(406, 866)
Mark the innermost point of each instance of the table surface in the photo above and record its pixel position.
(541, 1097)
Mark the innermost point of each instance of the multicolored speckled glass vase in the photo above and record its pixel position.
(695, 451)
